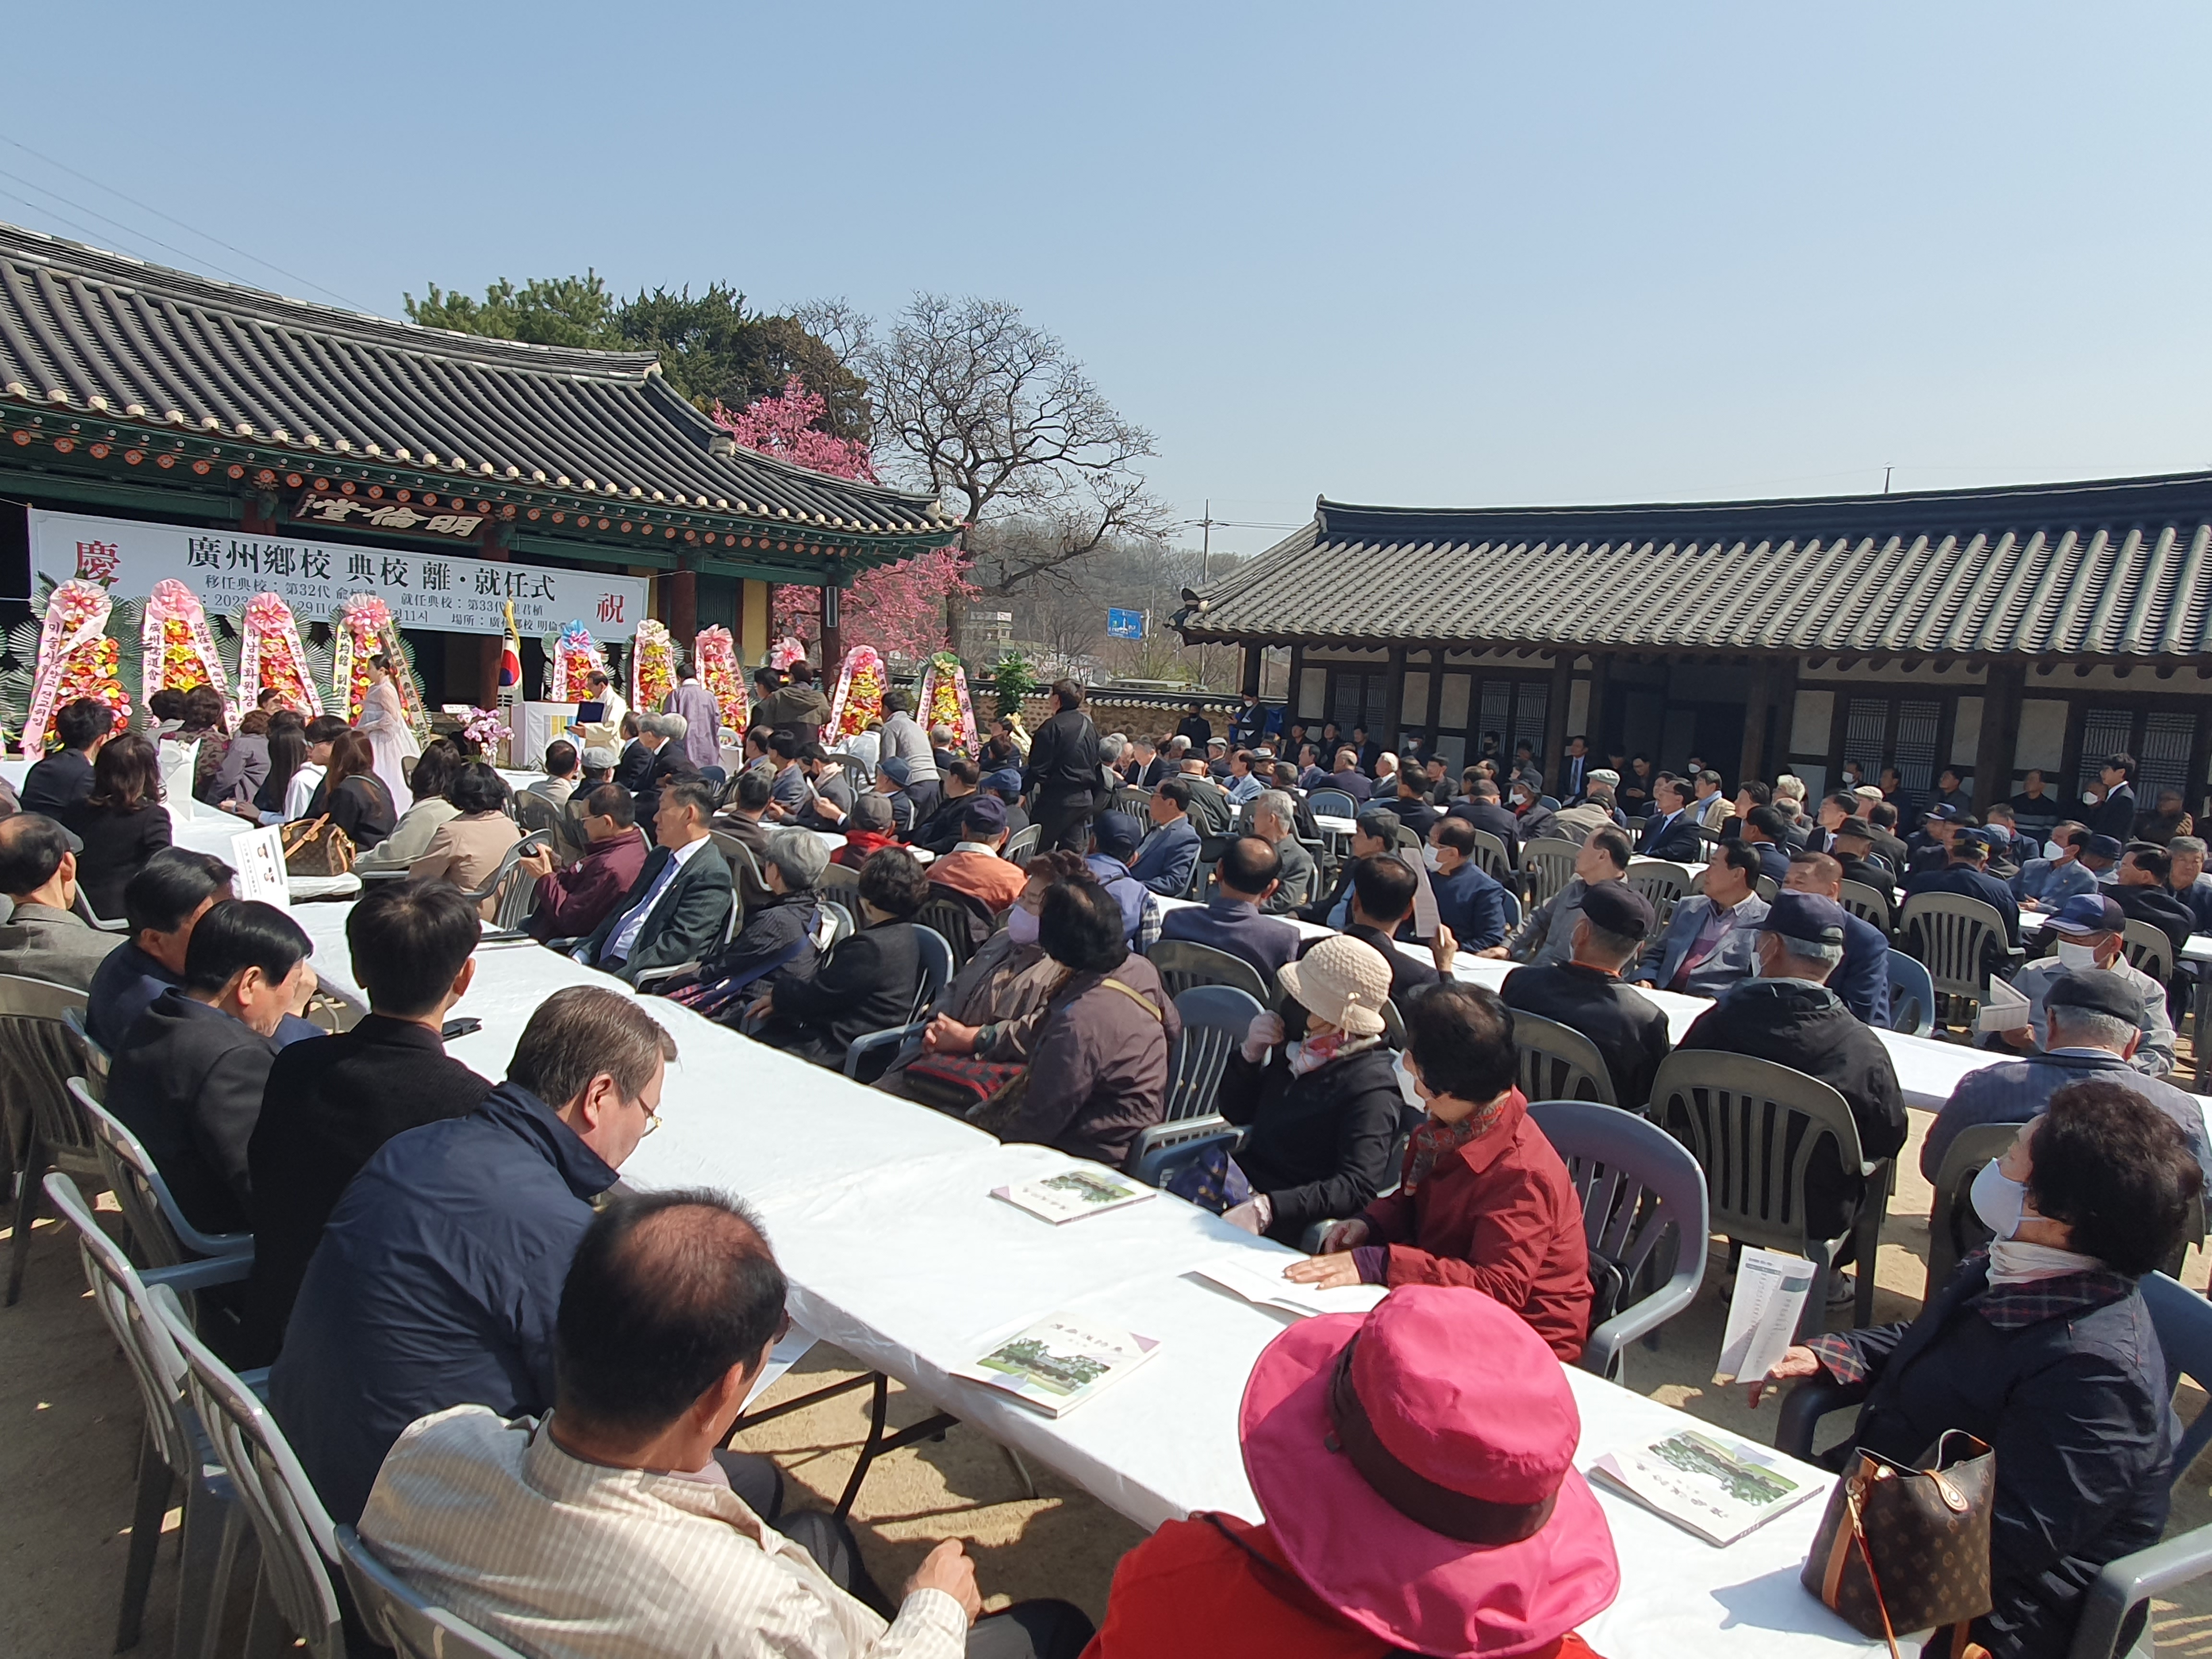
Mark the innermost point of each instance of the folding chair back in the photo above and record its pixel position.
(1557, 1062)
(1869, 904)
(517, 889)
(1021, 844)
(1183, 962)
(1753, 1127)
(1214, 1020)
(2149, 949)
(840, 919)
(936, 969)
(963, 923)
(835, 875)
(1639, 1187)
(289, 1522)
(1953, 937)
(95, 1057)
(1163, 1148)
(1491, 858)
(1954, 1232)
(1547, 864)
(1911, 995)
(40, 1052)
(1662, 884)
(533, 813)
(410, 1624)
(1332, 803)
(164, 1237)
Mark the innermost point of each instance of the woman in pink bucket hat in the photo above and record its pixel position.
(1416, 1468)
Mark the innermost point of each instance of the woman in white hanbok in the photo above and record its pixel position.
(384, 722)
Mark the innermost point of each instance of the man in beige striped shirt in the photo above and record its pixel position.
(609, 1530)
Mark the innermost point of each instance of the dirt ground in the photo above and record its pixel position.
(70, 1427)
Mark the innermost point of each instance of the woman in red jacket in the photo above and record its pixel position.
(1483, 1201)
(1416, 1468)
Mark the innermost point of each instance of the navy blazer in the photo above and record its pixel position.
(1165, 860)
(435, 1284)
(1471, 904)
(1674, 838)
(1861, 978)
(1236, 926)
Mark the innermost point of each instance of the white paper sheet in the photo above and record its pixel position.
(1771, 1289)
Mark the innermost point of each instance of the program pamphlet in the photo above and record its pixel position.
(2002, 1009)
(1058, 1363)
(1073, 1193)
(1771, 1289)
(1706, 1483)
(1260, 1279)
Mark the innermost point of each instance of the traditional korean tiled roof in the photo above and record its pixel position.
(2117, 568)
(102, 338)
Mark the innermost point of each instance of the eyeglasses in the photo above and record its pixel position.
(651, 1121)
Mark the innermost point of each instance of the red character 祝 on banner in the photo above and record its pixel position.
(611, 607)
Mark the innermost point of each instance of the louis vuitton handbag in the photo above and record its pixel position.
(317, 849)
(1908, 1549)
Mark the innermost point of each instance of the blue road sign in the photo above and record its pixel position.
(1125, 624)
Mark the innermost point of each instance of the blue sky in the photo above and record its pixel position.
(1417, 254)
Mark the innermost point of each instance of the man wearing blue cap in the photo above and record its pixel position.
(1789, 1016)
(1966, 874)
(2091, 932)
(1114, 839)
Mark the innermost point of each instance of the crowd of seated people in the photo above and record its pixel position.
(486, 1360)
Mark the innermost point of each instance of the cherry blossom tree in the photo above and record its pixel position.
(900, 609)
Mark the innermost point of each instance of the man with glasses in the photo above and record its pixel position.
(440, 1273)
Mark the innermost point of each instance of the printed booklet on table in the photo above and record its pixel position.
(1259, 1279)
(1074, 1193)
(1058, 1363)
(1710, 1484)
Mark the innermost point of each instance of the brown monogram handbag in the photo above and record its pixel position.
(1908, 1549)
(317, 849)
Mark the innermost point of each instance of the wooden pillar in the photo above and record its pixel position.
(1994, 748)
(1555, 721)
(1753, 763)
(1254, 656)
(833, 635)
(1593, 717)
(1293, 709)
(1433, 712)
(679, 603)
(1394, 714)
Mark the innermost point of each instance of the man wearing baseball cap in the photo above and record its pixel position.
(1788, 1014)
(1965, 873)
(1584, 993)
(1931, 848)
(1416, 1468)
(2090, 1021)
(1851, 845)
(2091, 931)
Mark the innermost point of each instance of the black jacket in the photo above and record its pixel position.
(2115, 816)
(59, 781)
(1628, 1028)
(1678, 841)
(1063, 764)
(1318, 1145)
(862, 983)
(669, 761)
(940, 830)
(116, 848)
(684, 924)
(188, 1082)
(327, 1109)
(1489, 815)
(1806, 1028)
(2075, 1406)
(1969, 883)
(2154, 904)
(1870, 875)
(633, 764)
(362, 806)
(1416, 814)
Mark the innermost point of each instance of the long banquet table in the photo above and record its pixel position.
(880, 1213)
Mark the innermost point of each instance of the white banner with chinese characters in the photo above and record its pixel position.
(428, 589)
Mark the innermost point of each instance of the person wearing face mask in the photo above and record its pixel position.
(864, 983)
(1483, 1199)
(1468, 902)
(776, 934)
(2091, 1021)
(1533, 818)
(2044, 1349)
(2044, 883)
(2091, 931)
(1321, 1109)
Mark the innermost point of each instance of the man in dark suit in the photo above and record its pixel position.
(1349, 778)
(1378, 900)
(663, 735)
(1209, 801)
(1232, 922)
(1763, 830)
(64, 778)
(1585, 993)
(2115, 815)
(635, 764)
(1468, 902)
(328, 1105)
(1164, 861)
(1671, 832)
(1196, 729)
(1964, 874)
(1412, 802)
(171, 891)
(2141, 892)
(190, 1078)
(1486, 809)
(1574, 771)
(679, 909)
(1861, 978)
(1063, 771)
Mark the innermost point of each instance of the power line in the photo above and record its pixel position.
(117, 224)
(172, 219)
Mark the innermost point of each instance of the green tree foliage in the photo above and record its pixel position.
(711, 348)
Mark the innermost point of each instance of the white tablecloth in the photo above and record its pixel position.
(880, 1213)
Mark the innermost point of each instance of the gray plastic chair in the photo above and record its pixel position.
(951, 920)
(533, 812)
(2148, 948)
(39, 1053)
(1332, 803)
(1557, 1062)
(1740, 1116)
(172, 1448)
(1662, 883)
(1021, 843)
(394, 1610)
(1954, 1232)
(1182, 963)
(158, 1228)
(1547, 864)
(1510, 903)
(1911, 996)
(96, 1058)
(1955, 938)
(1640, 1189)
(835, 876)
(298, 1550)
(645, 982)
(1490, 858)
(744, 868)
(1869, 904)
(504, 880)
(1215, 1018)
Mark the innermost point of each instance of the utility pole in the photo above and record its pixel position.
(1204, 560)
(1885, 471)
